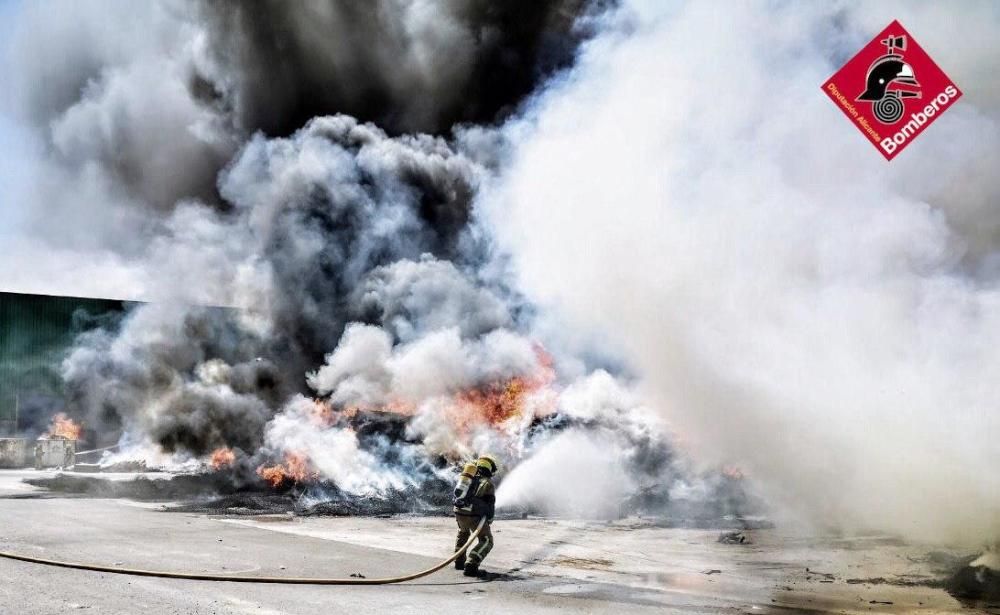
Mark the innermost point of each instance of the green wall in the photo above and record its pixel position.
(36, 331)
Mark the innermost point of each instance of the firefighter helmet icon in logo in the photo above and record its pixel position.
(890, 79)
(878, 90)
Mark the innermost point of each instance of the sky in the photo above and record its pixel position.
(13, 139)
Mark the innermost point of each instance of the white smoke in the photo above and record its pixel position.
(574, 473)
(334, 453)
(587, 471)
(365, 370)
(792, 304)
(427, 379)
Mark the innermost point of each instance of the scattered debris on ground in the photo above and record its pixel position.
(582, 563)
(975, 581)
(826, 576)
(734, 538)
(897, 582)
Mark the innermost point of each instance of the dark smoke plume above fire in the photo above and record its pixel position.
(407, 66)
(271, 158)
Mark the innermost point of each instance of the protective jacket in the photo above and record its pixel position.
(475, 495)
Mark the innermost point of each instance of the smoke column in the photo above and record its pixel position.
(131, 110)
(792, 304)
(277, 161)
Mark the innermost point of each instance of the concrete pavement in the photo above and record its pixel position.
(543, 566)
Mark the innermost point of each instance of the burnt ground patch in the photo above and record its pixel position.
(179, 487)
(217, 493)
(974, 586)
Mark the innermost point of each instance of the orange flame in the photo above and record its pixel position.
(400, 406)
(222, 457)
(64, 427)
(494, 403)
(498, 402)
(322, 413)
(295, 468)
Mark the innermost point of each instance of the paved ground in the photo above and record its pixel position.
(544, 566)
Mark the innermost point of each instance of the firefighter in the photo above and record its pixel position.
(475, 498)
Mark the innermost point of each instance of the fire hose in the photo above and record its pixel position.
(165, 574)
(98, 450)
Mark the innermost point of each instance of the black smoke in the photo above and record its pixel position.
(407, 66)
(348, 143)
(208, 139)
(321, 215)
(140, 105)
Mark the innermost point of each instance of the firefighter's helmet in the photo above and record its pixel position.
(885, 71)
(488, 463)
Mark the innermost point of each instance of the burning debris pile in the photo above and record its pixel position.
(374, 293)
(978, 579)
(377, 338)
(64, 428)
(438, 370)
(294, 468)
(580, 450)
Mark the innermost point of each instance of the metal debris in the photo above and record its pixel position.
(734, 538)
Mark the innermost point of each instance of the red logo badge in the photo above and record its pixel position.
(891, 90)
